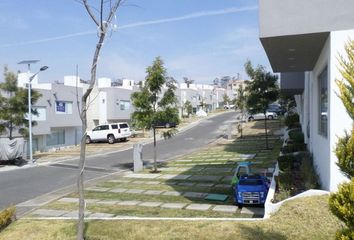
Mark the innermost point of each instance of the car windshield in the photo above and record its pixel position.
(252, 182)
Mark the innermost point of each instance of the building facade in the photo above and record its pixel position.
(302, 40)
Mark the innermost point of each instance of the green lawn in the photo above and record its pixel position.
(307, 218)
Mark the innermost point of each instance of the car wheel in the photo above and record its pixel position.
(88, 140)
(110, 139)
(270, 117)
(250, 119)
(167, 125)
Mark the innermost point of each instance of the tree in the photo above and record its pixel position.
(104, 24)
(154, 106)
(188, 107)
(188, 81)
(262, 90)
(14, 107)
(225, 99)
(240, 103)
(341, 203)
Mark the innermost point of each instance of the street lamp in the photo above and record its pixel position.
(30, 111)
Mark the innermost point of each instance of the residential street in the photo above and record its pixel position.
(27, 183)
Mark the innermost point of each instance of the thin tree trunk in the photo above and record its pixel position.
(266, 132)
(80, 180)
(155, 154)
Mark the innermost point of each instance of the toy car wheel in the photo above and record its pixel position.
(110, 139)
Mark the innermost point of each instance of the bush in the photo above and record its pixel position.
(292, 120)
(286, 162)
(341, 204)
(296, 136)
(308, 173)
(345, 154)
(7, 216)
(293, 147)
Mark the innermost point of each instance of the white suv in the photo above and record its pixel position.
(109, 132)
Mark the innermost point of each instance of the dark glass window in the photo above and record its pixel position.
(323, 103)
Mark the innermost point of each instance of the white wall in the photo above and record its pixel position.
(323, 147)
(340, 120)
(320, 144)
(102, 107)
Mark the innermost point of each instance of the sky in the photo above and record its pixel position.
(198, 39)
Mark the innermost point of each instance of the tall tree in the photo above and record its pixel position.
(104, 24)
(14, 106)
(342, 202)
(188, 107)
(262, 90)
(225, 99)
(156, 102)
(240, 102)
(188, 81)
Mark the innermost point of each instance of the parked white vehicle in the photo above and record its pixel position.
(259, 116)
(109, 132)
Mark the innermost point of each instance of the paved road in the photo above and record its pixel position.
(27, 183)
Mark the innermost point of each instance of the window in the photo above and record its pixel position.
(124, 104)
(42, 116)
(323, 103)
(62, 107)
(56, 138)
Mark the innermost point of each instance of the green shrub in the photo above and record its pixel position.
(345, 234)
(7, 216)
(296, 136)
(308, 172)
(345, 154)
(293, 147)
(286, 162)
(292, 120)
(341, 204)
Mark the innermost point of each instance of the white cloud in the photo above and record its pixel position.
(137, 24)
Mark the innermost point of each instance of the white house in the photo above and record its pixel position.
(302, 40)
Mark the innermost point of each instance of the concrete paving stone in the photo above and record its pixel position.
(97, 189)
(107, 202)
(143, 175)
(135, 191)
(173, 205)
(184, 160)
(227, 178)
(172, 193)
(225, 208)
(252, 211)
(92, 200)
(129, 203)
(248, 156)
(171, 183)
(222, 186)
(150, 204)
(153, 192)
(195, 194)
(187, 184)
(120, 181)
(69, 200)
(49, 212)
(205, 178)
(200, 207)
(174, 176)
(75, 214)
(118, 190)
(101, 215)
(152, 182)
(204, 185)
(218, 170)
